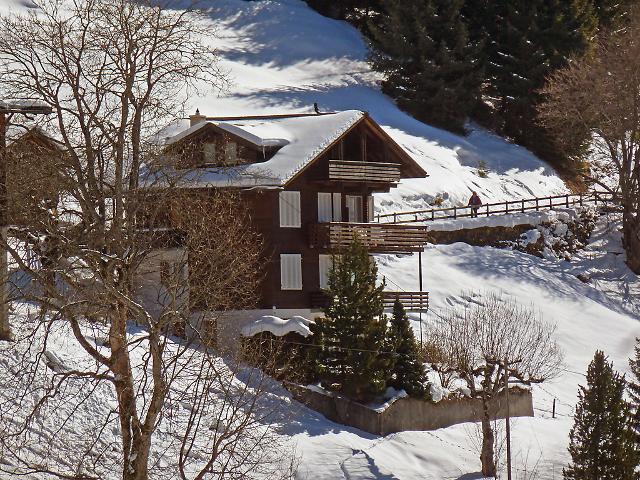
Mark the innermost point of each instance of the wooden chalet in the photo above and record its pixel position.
(308, 180)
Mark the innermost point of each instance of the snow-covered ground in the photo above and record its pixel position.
(282, 57)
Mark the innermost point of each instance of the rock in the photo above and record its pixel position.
(584, 277)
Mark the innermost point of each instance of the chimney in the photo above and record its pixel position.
(197, 118)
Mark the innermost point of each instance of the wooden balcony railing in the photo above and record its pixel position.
(377, 237)
(348, 171)
(412, 301)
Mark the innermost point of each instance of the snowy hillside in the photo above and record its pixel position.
(282, 57)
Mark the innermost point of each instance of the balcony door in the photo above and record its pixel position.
(354, 208)
(329, 207)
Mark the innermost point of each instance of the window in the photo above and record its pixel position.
(329, 207)
(231, 153)
(290, 210)
(370, 209)
(354, 207)
(209, 152)
(325, 263)
(337, 207)
(290, 271)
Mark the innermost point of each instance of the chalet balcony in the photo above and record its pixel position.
(377, 237)
(372, 172)
(412, 301)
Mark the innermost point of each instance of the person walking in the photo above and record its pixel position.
(474, 203)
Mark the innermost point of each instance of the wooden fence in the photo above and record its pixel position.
(500, 208)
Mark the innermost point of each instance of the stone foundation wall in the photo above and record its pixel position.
(491, 236)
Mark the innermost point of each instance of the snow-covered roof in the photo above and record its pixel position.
(278, 326)
(300, 138)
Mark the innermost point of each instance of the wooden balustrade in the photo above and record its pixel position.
(412, 301)
(377, 172)
(377, 237)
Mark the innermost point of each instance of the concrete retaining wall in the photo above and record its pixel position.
(411, 414)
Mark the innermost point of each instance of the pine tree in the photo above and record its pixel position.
(601, 440)
(634, 392)
(524, 41)
(611, 12)
(431, 68)
(354, 329)
(408, 371)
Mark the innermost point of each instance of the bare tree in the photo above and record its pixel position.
(115, 254)
(491, 335)
(597, 98)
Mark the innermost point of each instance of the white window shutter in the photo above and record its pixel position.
(325, 263)
(324, 207)
(370, 209)
(290, 271)
(290, 216)
(337, 207)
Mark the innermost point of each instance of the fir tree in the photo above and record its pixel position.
(611, 12)
(354, 329)
(601, 440)
(431, 69)
(524, 41)
(408, 371)
(634, 392)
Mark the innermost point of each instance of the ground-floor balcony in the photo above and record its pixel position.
(376, 237)
(412, 301)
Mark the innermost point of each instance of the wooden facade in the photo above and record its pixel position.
(317, 209)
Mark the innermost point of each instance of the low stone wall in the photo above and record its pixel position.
(491, 236)
(411, 414)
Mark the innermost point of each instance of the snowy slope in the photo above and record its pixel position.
(282, 57)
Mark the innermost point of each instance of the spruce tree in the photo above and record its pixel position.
(634, 392)
(354, 330)
(408, 371)
(601, 440)
(430, 66)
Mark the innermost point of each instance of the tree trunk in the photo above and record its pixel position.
(631, 240)
(487, 454)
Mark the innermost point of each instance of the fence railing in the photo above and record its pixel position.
(412, 301)
(499, 208)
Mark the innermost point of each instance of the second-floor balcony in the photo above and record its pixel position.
(377, 237)
(373, 172)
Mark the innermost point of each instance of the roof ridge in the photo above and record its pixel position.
(273, 116)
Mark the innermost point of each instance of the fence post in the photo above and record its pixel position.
(433, 214)
(567, 197)
(395, 217)
(537, 204)
(506, 207)
(522, 206)
(455, 213)
(581, 199)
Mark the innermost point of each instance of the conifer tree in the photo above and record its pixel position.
(601, 440)
(354, 329)
(634, 392)
(611, 12)
(431, 68)
(408, 371)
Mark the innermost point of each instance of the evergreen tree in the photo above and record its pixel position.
(354, 329)
(611, 12)
(408, 371)
(526, 40)
(634, 392)
(601, 440)
(431, 69)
